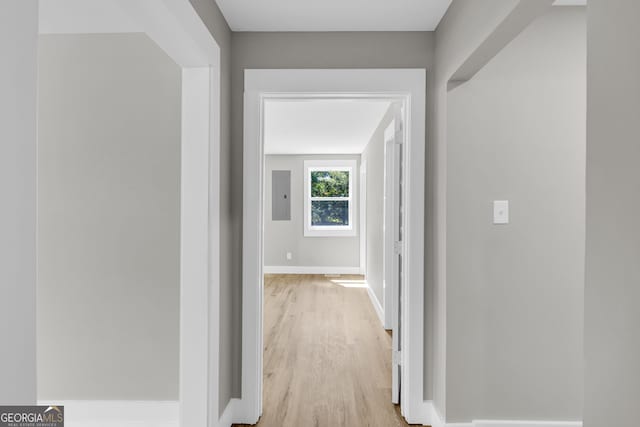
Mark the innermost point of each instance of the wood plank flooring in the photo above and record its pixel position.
(327, 359)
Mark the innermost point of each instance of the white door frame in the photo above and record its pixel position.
(391, 267)
(390, 219)
(406, 84)
(362, 204)
(178, 30)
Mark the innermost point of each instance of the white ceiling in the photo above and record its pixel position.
(333, 15)
(321, 126)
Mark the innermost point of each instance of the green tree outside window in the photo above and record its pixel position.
(329, 198)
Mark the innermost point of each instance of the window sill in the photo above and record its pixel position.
(330, 233)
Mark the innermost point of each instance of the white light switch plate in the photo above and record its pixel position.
(501, 212)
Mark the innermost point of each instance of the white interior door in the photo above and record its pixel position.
(393, 235)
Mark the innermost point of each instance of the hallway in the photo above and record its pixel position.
(327, 359)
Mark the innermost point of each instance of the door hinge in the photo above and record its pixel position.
(397, 358)
(397, 247)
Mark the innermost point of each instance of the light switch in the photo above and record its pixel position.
(289, 256)
(501, 212)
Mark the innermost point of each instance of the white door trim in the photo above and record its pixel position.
(389, 219)
(393, 229)
(179, 31)
(407, 84)
(363, 216)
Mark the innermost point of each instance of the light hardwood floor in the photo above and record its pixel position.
(327, 359)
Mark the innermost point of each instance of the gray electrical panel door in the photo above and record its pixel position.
(281, 195)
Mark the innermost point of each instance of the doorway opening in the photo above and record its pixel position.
(326, 193)
(324, 292)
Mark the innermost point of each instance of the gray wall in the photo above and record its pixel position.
(373, 155)
(281, 237)
(230, 220)
(309, 50)
(463, 26)
(612, 375)
(516, 131)
(109, 219)
(18, 69)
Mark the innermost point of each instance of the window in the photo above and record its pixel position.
(329, 203)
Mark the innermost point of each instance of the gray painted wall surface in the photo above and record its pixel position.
(281, 237)
(109, 219)
(516, 131)
(311, 50)
(612, 375)
(230, 220)
(464, 27)
(373, 155)
(19, 45)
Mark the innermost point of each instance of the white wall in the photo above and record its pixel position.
(516, 131)
(109, 219)
(612, 342)
(373, 155)
(18, 70)
(281, 237)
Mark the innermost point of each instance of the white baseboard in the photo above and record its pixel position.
(490, 423)
(376, 305)
(293, 269)
(244, 412)
(97, 413)
(433, 418)
(226, 419)
(430, 415)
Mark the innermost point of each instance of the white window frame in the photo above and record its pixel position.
(310, 230)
